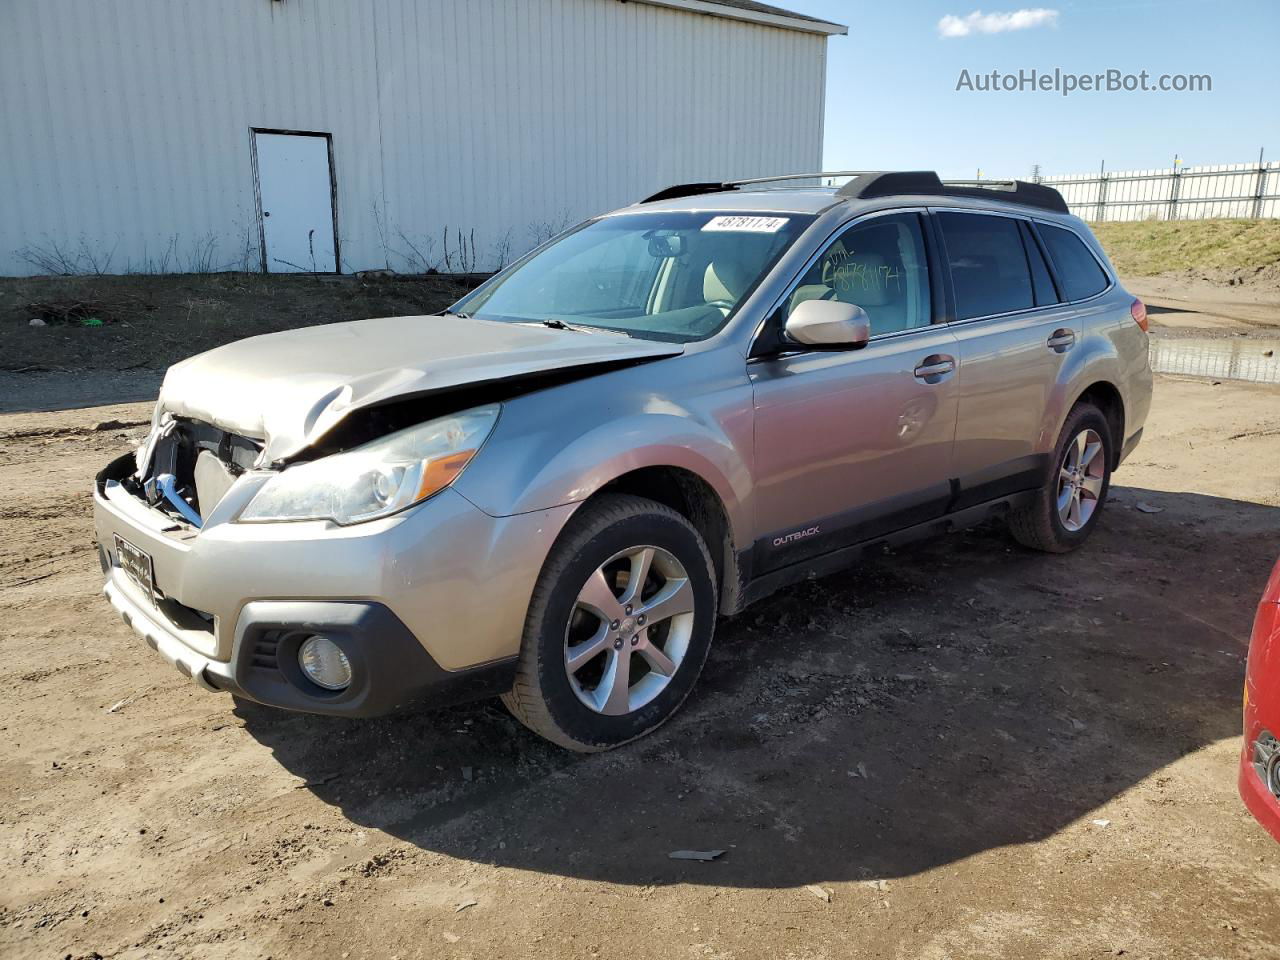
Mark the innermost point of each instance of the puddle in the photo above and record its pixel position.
(1233, 358)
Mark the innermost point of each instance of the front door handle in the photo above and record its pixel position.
(935, 368)
(1061, 340)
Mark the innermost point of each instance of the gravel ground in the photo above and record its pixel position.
(957, 750)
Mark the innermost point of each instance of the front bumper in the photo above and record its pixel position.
(429, 605)
(390, 669)
(1254, 790)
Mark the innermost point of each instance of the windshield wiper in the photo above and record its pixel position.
(455, 313)
(557, 324)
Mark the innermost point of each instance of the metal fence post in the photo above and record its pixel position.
(1102, 192)
(1173, 194)
(1262, 186)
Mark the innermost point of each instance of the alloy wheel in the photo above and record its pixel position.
(1080, 478)
(629, 630)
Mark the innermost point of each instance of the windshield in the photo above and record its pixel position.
(665, 276)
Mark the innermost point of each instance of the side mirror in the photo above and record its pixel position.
(829, 325)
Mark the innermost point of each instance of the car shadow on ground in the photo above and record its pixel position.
(927, 705)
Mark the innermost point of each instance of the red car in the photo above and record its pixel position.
(1260, 758)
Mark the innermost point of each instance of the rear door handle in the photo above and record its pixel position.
(1061, 340)
(935, 367)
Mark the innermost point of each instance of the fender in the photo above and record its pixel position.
(562, 445)
(683, 444)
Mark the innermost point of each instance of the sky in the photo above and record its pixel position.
(892, 101)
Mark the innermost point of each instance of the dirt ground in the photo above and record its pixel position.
(146, 323)
(1188, 307)
(958, 750)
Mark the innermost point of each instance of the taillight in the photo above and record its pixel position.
(1138, 310)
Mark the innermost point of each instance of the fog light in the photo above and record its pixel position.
(324, 663)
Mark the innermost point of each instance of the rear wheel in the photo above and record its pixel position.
(619, 626)
(1067, 507)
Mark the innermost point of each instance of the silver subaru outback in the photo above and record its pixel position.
(551, 491)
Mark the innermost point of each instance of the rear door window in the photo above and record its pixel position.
(1079, 272)
(988, 264)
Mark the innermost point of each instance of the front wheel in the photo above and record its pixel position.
(1068, 505)
(618, 628)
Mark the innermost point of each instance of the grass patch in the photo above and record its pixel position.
(1150, 247)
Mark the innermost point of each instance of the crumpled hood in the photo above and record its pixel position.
(289, 389)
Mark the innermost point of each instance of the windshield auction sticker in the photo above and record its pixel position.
(746, 224)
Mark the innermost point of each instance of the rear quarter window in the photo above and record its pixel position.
(1079, 272)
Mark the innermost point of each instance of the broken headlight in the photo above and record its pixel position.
(376, 479)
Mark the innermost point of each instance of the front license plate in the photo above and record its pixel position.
(137, 564)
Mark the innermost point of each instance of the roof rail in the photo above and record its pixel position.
(695, 189)
(801, 176)
(926, 183)
(869, 184)
(688, 190)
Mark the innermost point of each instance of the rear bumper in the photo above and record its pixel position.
(428, 605)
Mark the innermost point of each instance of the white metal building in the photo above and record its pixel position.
(187, 135)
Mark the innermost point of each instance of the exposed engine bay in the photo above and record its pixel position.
(186, 467)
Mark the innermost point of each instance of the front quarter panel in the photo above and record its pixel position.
(561, 445)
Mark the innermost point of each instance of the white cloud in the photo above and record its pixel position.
(979, 22)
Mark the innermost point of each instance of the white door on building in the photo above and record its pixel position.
(295, 190)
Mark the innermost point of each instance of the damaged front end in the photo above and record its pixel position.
(300, 389)
(349, 422)
(185, 467)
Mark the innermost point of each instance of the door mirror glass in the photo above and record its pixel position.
(830, 324)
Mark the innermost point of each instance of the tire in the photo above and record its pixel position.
(1042, 525)
(581, 705)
